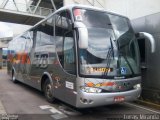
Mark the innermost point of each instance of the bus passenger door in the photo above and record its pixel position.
(65, 72)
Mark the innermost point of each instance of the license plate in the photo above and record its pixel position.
(119, 98)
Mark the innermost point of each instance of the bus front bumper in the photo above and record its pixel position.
(85, 100)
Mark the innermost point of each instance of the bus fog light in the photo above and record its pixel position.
(137, 86)
(91, 90)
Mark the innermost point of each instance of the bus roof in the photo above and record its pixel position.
(70, 7)
(81, 6)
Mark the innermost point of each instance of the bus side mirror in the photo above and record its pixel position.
(148, 37)
(83, 35)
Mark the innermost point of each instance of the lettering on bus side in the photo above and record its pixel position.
(42, 60)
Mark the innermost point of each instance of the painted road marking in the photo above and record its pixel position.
(2, 110)
(54, 110)
(56, 113)
(51, 109)
(131, 104)
(69, 111)
(43, 107)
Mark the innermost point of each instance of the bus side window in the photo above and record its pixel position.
(65, 42)
(28, 43)
(38, 36)
(45, 32)
(69, 54)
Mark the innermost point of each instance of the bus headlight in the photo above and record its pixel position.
(91, 90)
(137, 86)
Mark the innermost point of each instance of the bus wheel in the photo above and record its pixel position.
(48, 91)
(14, 77)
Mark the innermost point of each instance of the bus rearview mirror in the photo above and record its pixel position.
(148, 37)
(83, 35)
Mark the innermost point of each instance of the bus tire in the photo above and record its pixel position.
(13, 77)
(48, 91)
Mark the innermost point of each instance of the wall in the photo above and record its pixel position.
(150, 75)
(133, 8)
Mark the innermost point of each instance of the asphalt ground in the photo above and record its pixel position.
(19, 101)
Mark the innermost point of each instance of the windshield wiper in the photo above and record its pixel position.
(110, 54)
(112, 48)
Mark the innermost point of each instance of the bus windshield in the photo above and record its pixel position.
(112, 50)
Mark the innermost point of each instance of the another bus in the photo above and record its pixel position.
(81, 55)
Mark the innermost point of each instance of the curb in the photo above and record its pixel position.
(148, 104)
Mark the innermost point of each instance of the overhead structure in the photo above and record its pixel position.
(27, 12)
(51, 4)
(30, 12)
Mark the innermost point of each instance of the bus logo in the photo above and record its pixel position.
(123, 70)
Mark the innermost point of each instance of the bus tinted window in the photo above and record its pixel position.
(45, 33)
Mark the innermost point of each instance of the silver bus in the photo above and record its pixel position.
(81, 55)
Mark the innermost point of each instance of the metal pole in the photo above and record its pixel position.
(1, 62)
(28, 7)
(53, 5)
(15, 5)
(4, 3)
(37, 6)
(91, 3)
(99, 3)
(40, 11)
